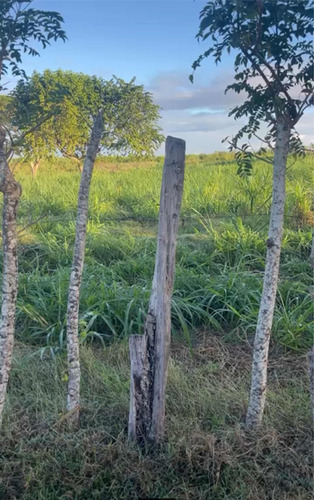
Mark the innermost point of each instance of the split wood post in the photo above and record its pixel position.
(312, 252)
(311, 379)
(138, 346)
(150, 353)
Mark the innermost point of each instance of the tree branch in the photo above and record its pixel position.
(275, 76)
(262, 158)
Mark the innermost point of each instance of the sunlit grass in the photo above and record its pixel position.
(220, 250)
(219, 272)
(207, 453)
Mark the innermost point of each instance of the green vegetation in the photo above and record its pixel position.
(64, 102)
(220, 253)
(220, 259)
(207, 455)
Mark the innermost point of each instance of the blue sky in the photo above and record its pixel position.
(153, 40)
(129, 37)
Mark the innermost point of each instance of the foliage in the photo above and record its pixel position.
(6, 114)
(220, 251)
(220, 258)
(69, 101)
(273, 63)
(21, 25)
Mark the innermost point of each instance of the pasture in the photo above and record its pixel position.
(219, 271)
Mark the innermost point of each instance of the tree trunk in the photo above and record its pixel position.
(79, 165)
(73, 398)
(34, 167)
(150, 353)
(12, 191)
(266, 311)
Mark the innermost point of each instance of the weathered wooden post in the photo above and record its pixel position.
(149, 353)
(311, 378)
(312, 252)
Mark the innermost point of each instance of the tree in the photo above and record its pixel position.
(273, 62)
(69, 100)
(123, 118)
(6, 114)
(19, 26)
(70, 104)
(74, 370)
(66, 99)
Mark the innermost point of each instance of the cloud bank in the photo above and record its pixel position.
(198, 113)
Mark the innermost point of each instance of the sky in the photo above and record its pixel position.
(153, 40)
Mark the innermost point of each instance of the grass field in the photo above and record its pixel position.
(220, 262)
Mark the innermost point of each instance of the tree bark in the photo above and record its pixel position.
(12, 191)
(73, 398)
(149, 357)
(266, 311)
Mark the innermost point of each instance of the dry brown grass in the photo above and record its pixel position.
(207, 455)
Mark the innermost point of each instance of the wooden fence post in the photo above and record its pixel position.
(149, 375)
(137, 345)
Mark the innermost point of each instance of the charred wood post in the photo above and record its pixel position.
(150, 353)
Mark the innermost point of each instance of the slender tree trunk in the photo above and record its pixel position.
(12, 191)
(150, 353)
(79, 165)
(34, 167)
(266, 311)
(73, 398)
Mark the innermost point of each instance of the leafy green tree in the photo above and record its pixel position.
(20, 26)
(80, 116)
(69, 101)
(6, 114)
(66, 100)
(271, 41)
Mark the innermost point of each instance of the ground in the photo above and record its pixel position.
(220, 260)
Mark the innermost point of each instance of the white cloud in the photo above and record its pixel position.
(305, 127)
(198, 113)
(174, 91)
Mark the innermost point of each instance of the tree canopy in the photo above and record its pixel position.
(271, 41)
(20, 26)
(66, 102)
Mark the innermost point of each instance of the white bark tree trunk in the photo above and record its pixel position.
(12, 191)
(150, 353)
(73, 398)
(266, 311)
(34, 167)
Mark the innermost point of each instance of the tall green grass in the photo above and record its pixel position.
(219, 273)
(220, 251)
